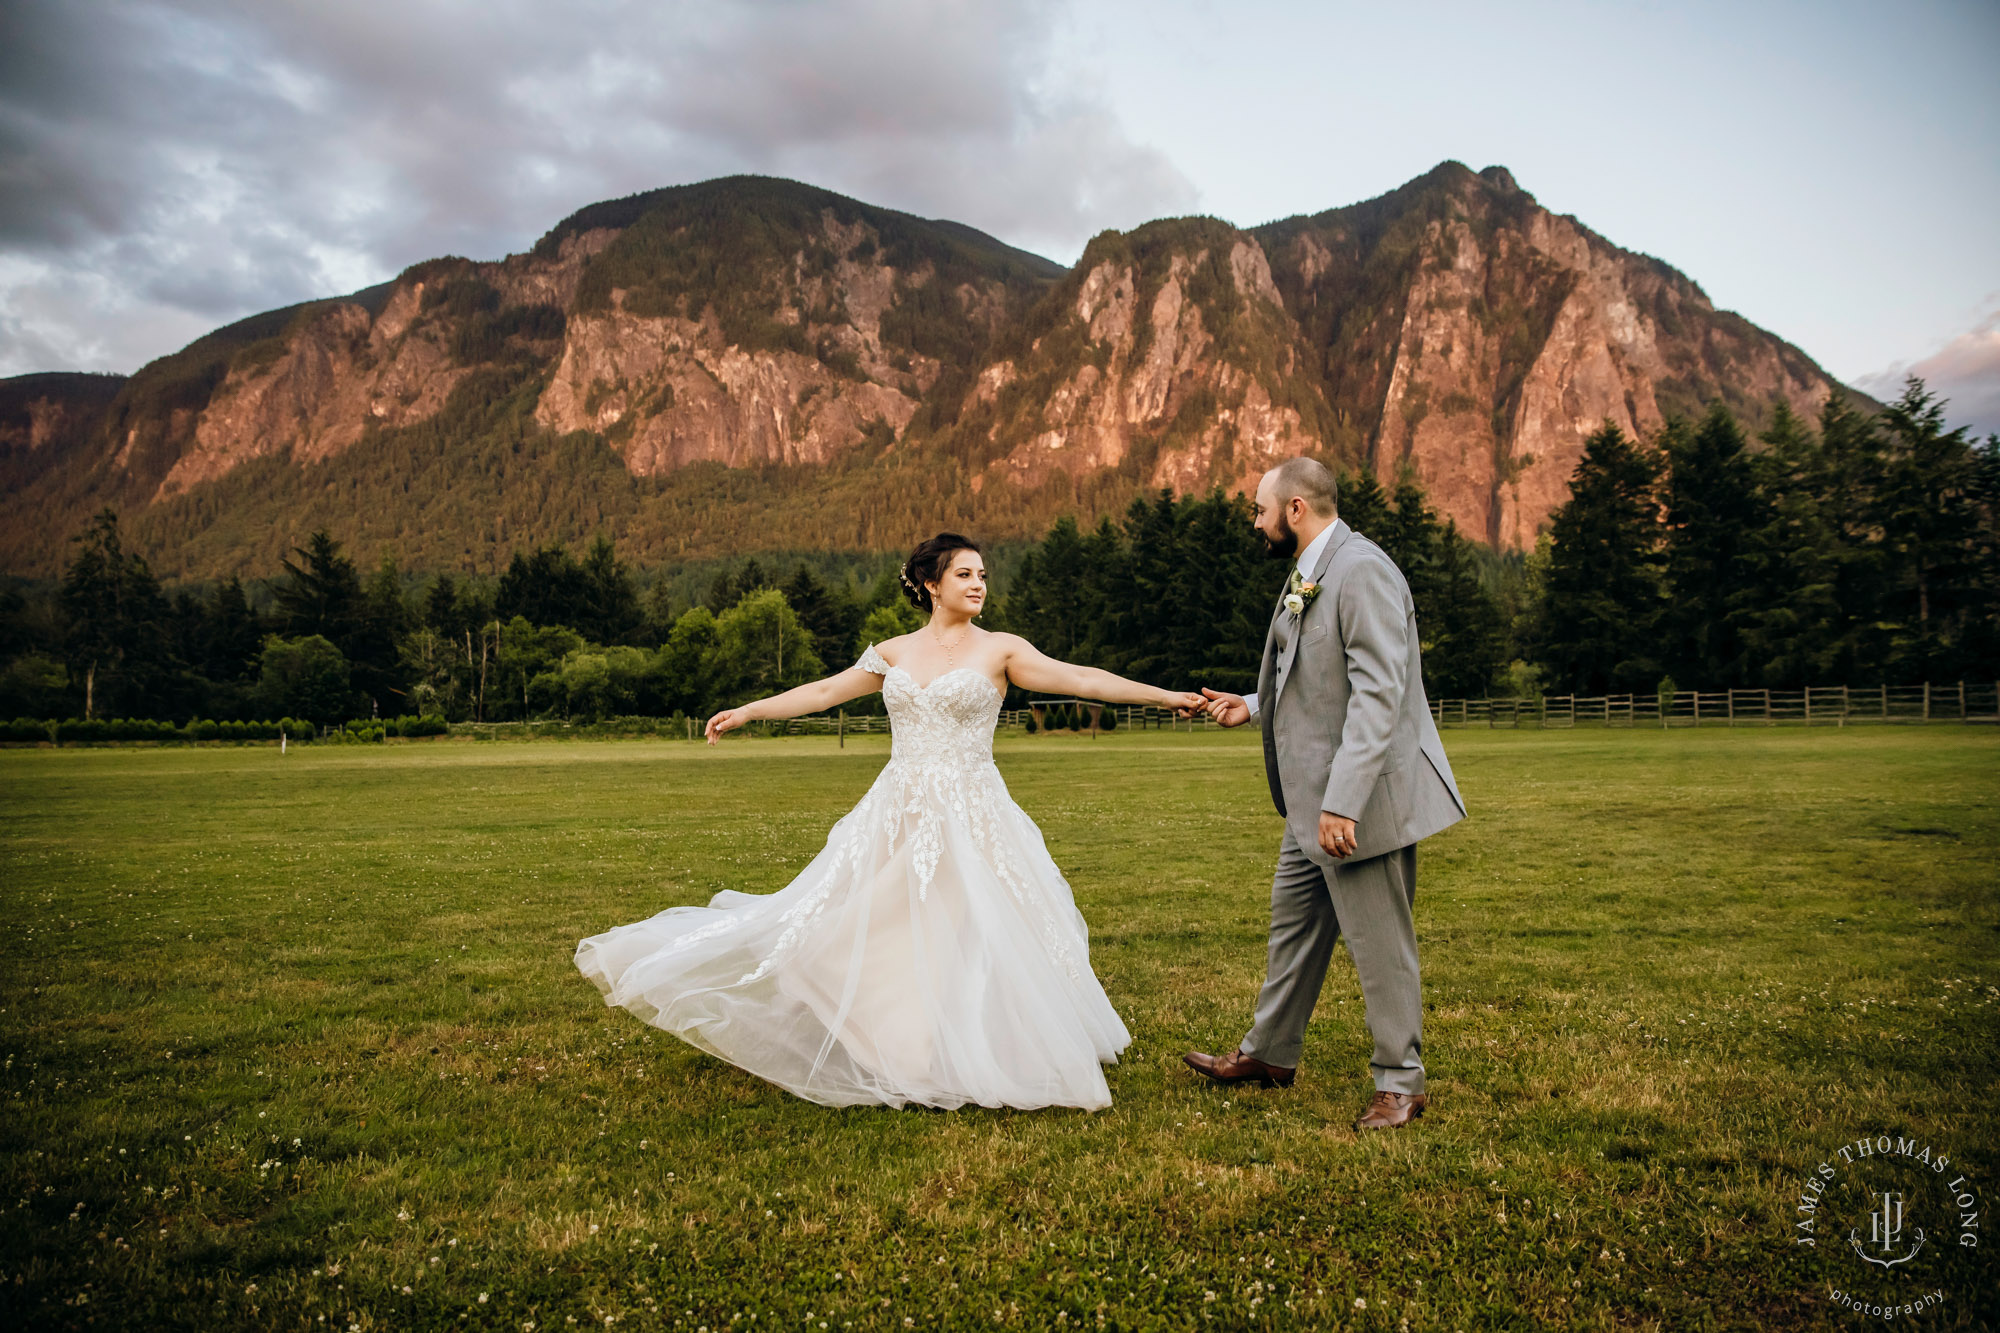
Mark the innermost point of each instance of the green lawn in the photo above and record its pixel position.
(296, 1042)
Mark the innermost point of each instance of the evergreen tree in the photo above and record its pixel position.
(610, 612)
(1713, 507)
(1982, 634)
(728, 589)
(1602, 594)
(1788, 606)
(1364, 505)
(372, 652)
(1224, 592)
(544, 587)
(828, 613)
(116, 643)
(1050, 602)
(1140, 581)
(1459, 625)
(320, 592)
(441, 609)
(1848, 478)
(234, 635)
(1927, 508)
(660, 612)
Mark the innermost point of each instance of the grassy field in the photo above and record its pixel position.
(296, 1043)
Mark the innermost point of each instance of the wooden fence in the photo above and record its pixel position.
(1817, 706)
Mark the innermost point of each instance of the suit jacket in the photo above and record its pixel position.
(1347, 727)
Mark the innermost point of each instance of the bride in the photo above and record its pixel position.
(931, 953)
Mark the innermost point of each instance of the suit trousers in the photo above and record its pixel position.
(1370, 903)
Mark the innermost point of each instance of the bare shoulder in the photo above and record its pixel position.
(1008, 645)
(890, 650)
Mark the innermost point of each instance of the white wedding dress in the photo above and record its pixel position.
(930, 954)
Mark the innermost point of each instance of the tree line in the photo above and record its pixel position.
(1853, 549)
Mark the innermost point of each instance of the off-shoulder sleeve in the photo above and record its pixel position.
(872, 661)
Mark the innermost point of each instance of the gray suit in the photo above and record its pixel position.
(1347, 729)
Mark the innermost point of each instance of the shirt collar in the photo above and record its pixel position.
(1310, 556)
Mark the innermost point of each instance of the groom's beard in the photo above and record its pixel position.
(1285, 545)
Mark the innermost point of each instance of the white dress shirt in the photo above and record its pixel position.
(1307, 559)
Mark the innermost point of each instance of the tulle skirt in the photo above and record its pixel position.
(930, 954)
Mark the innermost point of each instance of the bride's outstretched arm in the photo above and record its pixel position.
(1031, 669)
(811, 697)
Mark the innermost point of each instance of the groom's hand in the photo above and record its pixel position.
(1228, 709)
(1336, 835)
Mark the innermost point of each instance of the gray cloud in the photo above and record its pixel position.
(165, 167)
(1965, 372)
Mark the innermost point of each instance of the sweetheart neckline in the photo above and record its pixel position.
(942, 674)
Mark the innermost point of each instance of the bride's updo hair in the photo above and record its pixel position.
(928, 562)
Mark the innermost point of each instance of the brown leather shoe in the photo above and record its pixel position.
(1392, 1110)
(1237, 1067)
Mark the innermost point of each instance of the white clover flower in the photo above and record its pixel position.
(482, 1298)
(1360, 1304)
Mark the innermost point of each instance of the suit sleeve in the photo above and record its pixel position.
(1372, 625)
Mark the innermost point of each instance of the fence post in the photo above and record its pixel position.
(1927, 701)
(1961, 701)
(1885, 701)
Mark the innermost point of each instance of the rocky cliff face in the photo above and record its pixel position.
(1477, 339)
(669, 388)
(1453, 328)
(1167, 353)
(341, 368)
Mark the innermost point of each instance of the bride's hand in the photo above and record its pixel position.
(1185, 703)
(727, 720)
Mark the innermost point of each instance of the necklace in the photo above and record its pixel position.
(950, 658)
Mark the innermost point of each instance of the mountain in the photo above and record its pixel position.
(753, 364)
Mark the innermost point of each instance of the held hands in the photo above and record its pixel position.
(727, 720)
(1185, 703)
(1228, 709)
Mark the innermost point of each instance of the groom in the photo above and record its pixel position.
(1358, 772)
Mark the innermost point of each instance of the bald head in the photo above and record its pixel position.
(1306, 479)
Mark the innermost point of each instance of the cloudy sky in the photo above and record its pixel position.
(1829, 169)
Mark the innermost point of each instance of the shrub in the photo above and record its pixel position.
(204, 729)
(1108, 721)
(27, 729)
(1030, 723)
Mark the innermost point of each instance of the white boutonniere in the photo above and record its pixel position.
(1299, 594)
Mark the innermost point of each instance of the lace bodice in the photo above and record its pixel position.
(945, 724)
